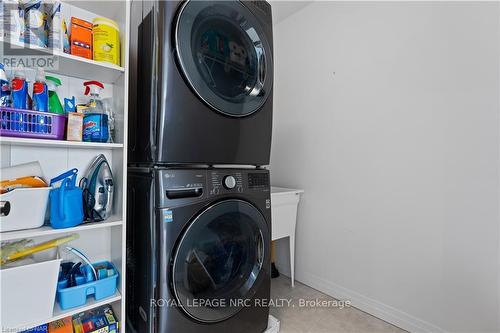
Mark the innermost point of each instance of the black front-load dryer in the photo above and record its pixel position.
(204, 83)
(198, 250)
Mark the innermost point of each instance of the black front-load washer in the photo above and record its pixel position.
(204, 83)
(198, 250)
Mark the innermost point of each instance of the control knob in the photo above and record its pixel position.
(229, 182)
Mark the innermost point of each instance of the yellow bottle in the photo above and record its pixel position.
(106, 39)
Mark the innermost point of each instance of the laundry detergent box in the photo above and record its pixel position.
(81, 38)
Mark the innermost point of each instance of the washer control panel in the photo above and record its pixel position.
(225, 181)
(185, 185)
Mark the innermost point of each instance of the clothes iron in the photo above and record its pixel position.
(98, 189)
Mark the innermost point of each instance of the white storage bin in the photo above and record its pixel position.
(23, 208)
(27, 294)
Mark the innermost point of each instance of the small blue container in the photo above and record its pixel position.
(77, 296)
(66, 201)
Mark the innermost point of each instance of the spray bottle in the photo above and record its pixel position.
(95, 119)
(20, 90)
(55, 105)
(4, 87)
(40, 92)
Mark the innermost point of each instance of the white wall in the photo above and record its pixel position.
(386, 114)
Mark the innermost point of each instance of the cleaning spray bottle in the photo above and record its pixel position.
(20, 90)
(4, 87)
(40, 92)
(95, 119)
(55, 105)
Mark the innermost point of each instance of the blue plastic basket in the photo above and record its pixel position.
(77, 296)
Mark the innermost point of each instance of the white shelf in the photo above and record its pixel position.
(57, 143)
(58, 313)
(102, 239)
(47, 231)
(70, 65)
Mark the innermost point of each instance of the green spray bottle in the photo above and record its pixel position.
(55, 105)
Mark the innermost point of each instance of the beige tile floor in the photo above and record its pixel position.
(321, 320)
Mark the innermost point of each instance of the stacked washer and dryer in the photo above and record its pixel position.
(199, 219)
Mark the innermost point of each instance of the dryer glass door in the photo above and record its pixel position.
(224, 55)
(218, 260)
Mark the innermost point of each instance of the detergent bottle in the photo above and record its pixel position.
(40, 92)
(4, 87)
(95, 119)
(55, 105)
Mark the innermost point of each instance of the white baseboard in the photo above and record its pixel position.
(375, 308)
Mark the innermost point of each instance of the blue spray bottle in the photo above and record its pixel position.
(19, 91)
(40, 92)
(95, 119)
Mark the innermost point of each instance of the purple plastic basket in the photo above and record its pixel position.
(31, 124)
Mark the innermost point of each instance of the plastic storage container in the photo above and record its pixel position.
(15, 214)
(77, 296)
(106, 40)
(28, 294)
(31, 124)
(66, 201)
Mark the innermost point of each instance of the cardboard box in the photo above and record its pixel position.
(74, 130)
(81, 38)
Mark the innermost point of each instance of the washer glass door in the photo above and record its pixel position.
(224, 55)
(218, 260)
